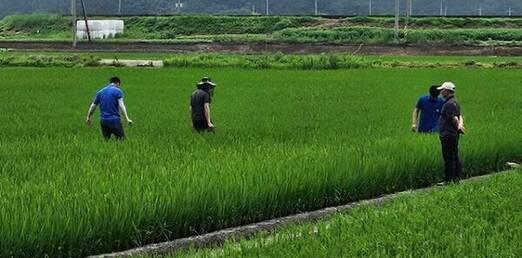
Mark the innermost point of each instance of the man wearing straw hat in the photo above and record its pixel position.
(451, 126)
(200, 106)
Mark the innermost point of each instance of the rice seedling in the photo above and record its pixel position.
(286, 141)
(476, 219)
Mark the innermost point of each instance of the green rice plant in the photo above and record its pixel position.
(287, 141)
(476, 219)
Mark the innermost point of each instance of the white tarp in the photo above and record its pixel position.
(100, 29)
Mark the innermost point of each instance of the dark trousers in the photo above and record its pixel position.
(200, 124)
(450, 153)
(108, 129)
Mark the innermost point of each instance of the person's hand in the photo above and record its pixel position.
(130, 122)
(414, 128)
(88, 121)
(211, 127)
(462, 129)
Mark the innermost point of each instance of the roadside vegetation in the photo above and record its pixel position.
(475, 219)
(258, 61)
(287, 141)
(282, 29)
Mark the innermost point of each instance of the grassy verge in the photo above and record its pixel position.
(369, 35)
(266, 61)
(475, 219)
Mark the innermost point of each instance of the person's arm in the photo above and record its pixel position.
(207, 115)
(460, 126)
(123, 110)
(414, 119)
(91, 111)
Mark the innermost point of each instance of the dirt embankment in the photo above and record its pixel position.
(251, 48)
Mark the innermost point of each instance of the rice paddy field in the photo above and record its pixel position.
(286, 141)
(475, 219)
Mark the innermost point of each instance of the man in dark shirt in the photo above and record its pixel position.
(451, 126)
(200, 106)
(110, 100)
(429, 107)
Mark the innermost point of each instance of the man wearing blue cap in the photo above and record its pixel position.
(110, 100)
(451, 127)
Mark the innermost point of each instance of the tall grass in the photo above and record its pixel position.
(229, 29)
(262, 61)
(172, 27)
(435, 22)
(368, 35)
(43, 23)
(286, 141)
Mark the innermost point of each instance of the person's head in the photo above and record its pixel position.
(207, 85)
(116, 81)
(434, 92)
(447, 90)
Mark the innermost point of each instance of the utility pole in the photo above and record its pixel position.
(267, 8)
(74, 20)
(119, 7)
(509, 12)
(441, 7)
(480, 10)
(410, 2)
(446, 10)
(316, 8)
(370, 7)
(86, 21)
(397, 14)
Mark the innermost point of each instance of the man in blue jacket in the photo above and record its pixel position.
(110, 100)
(429, 108)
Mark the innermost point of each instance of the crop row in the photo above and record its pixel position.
(477, 219)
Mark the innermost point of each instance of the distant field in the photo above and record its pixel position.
(282, 29)
(476, 219)
(287, 141)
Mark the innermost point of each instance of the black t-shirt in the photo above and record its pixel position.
(197, 102)
(450, 110)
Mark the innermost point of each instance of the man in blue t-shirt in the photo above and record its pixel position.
(110, 100)
(429, 108)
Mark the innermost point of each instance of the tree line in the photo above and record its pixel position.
(275, 7)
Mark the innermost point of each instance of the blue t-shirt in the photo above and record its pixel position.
(430, 112)
(108, 98)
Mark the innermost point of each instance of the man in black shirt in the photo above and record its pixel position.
(451, 126)
(200, 106)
